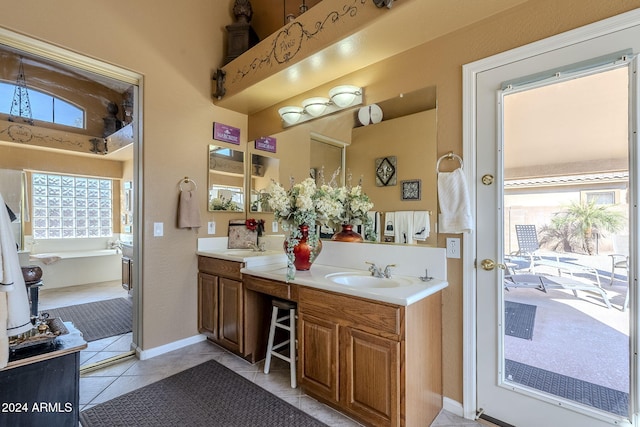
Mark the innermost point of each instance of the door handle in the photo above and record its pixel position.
(489, 264)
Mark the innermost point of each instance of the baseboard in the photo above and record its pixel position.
(452, 406)
(157, 351)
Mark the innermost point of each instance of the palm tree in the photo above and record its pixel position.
(581, 220)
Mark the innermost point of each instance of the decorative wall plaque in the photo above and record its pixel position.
(386, 171)
(411, 189)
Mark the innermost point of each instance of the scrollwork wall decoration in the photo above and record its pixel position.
(288, 41)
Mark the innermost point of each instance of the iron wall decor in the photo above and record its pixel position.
(386, 168)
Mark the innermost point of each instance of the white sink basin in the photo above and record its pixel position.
(366, 280)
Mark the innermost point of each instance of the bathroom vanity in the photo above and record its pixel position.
(369, 347)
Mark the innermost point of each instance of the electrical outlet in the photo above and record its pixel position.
(158, 229)
(274, 227)
(453, 247)
(211, 227)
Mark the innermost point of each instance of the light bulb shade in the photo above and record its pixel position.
(315, 106)
(290, 115)
(344, 95)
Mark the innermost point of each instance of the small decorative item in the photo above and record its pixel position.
(386, 171)
(411, 189)
(243, 234)
(226, 133)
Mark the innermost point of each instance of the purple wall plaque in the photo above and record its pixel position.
(266, 143)
(226, 133)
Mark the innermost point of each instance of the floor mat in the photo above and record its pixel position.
(206, 395)
(97, 320)
(519, 319)
(594, 395)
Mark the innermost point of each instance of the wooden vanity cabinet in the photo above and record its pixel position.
(221, 302)
(127, 267)
(377, 362)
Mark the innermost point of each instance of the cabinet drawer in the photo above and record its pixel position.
(220, 267)
(377, 318)
(269, 287)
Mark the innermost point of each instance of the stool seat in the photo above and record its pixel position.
(286, 322)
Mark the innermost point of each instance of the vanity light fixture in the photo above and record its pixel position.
(340, 97)
(291, 115)
(343, 96)
(315, 106)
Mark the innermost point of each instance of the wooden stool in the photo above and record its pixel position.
(279, 322)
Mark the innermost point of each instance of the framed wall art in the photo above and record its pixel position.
(411, 189)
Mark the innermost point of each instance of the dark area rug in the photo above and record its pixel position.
(519, 319)
(205, 395)
(97, 320)
(594, 395)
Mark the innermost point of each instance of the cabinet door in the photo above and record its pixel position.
(371, 376)
(208, 305)
(318, 354)
(230, 305)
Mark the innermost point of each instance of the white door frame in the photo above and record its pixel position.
(470, 72)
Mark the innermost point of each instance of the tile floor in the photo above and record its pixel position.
(113, 380)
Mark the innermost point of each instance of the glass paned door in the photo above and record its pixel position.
(565, 330)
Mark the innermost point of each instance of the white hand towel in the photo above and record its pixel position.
(188, 210)
(421, 225)
(404, 227)
(389, 221)
(455, 208)
(15, 316)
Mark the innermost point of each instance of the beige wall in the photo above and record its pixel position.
(176, 47)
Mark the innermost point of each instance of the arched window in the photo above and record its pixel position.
(44, 107)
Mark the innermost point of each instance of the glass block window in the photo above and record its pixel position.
(67, 207)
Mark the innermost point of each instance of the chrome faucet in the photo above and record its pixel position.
(376, 272)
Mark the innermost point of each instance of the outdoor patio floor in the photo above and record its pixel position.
(578, 337)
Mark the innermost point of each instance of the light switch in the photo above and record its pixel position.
(211, 227)
(158, 229)
(274, 227)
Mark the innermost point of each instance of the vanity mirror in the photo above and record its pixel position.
(263, 170)
(226, 179)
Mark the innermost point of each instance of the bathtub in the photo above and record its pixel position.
(61, 269)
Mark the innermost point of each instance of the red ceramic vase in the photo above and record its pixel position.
(304, 253)
(347, 235)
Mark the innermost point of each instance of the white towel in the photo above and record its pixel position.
(15, 316)
(389, 221)
(421, 225)
(403, 227)
(188, 210)
(455, 208)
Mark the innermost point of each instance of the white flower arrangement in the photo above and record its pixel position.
(344, 205)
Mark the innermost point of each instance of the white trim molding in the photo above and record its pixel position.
(175, 345)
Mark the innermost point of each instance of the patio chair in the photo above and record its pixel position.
(544, 282)
(529, 247)
(620, 260)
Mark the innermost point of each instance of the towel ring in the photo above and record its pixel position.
(448, 156)
(186, 180)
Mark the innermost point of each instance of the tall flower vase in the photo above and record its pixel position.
(347, 235)
(305, 252)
